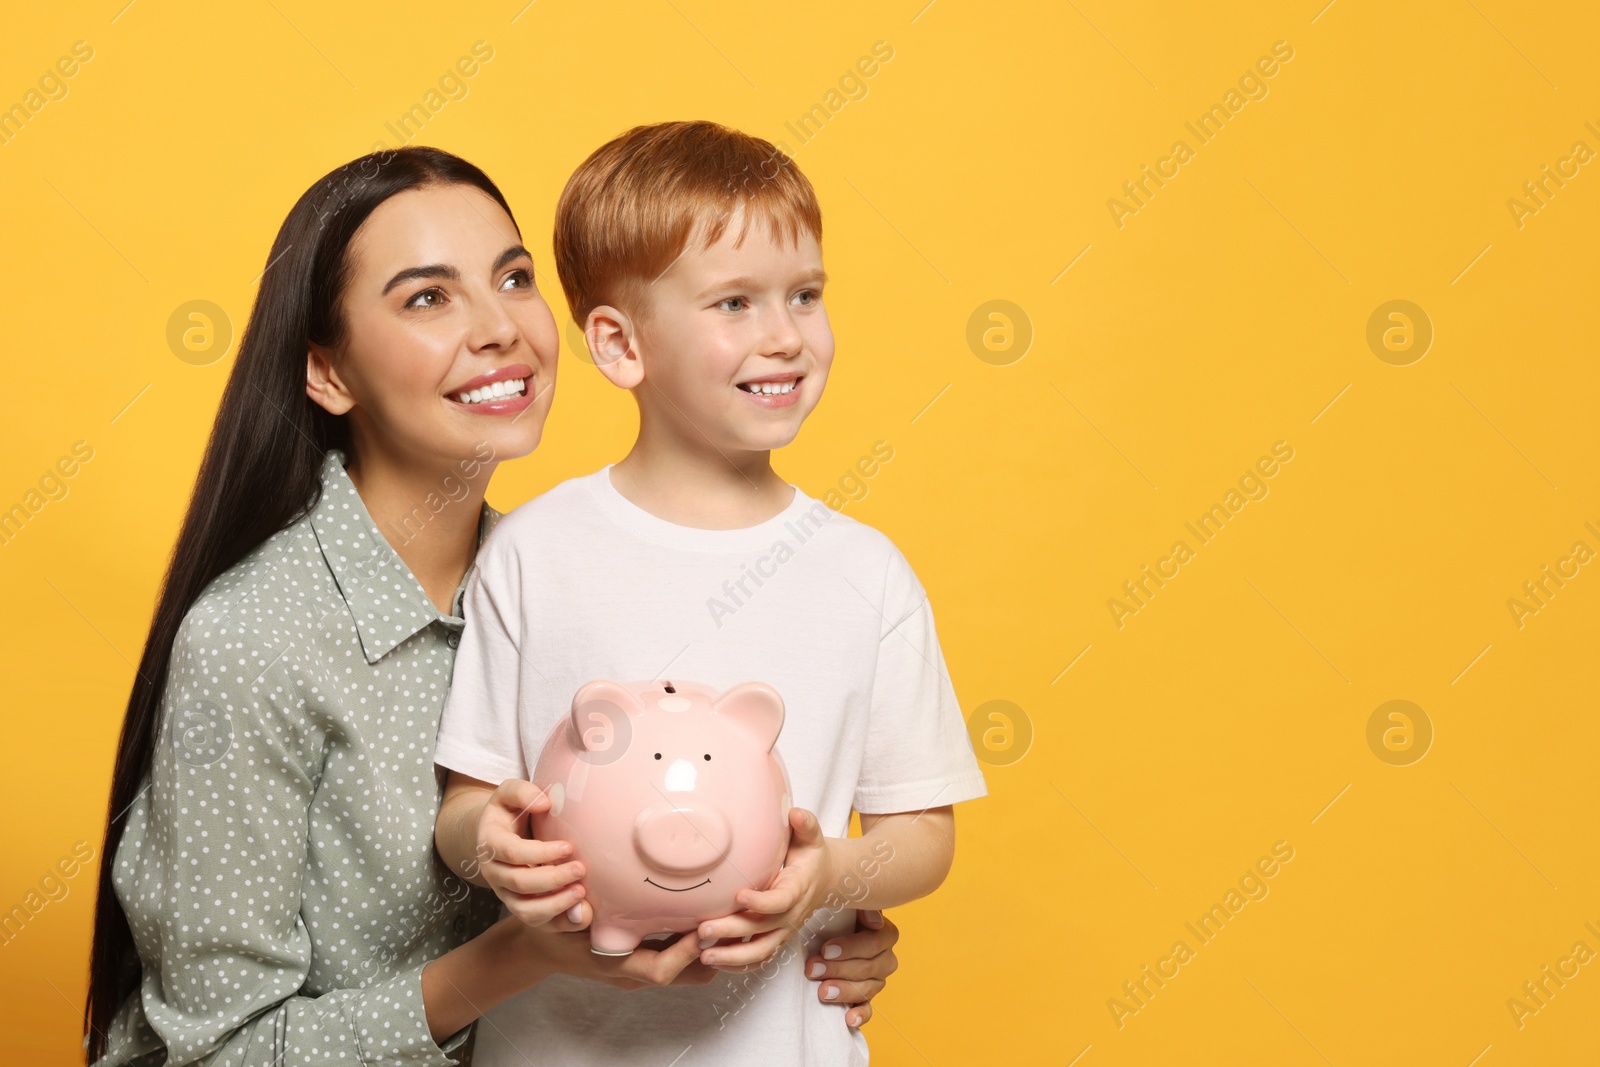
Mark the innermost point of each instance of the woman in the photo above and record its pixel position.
(275, 896)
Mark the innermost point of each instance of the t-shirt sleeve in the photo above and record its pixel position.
(918, 755)
(478, 734)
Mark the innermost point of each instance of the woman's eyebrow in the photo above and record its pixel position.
(511, 254)
(449, 273)
(433, 270)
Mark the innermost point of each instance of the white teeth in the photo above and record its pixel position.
(495, 391)
(770, 388)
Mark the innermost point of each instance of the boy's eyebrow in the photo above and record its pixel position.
(449, 273)
(811, 277)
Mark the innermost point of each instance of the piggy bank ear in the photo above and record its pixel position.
(755, 706)
(600, 719)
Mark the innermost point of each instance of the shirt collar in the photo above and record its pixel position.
(385, 599)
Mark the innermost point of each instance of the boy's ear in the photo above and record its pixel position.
(323, 384)
(608, 332)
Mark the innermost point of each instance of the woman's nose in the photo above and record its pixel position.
(493, 326)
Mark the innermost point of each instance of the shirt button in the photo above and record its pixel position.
(454, 640)
(460, 926)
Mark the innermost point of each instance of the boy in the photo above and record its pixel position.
(691, 254)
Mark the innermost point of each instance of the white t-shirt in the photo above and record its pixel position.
(580, 584)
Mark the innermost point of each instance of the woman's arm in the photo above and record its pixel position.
(466, 982)
(211, 874)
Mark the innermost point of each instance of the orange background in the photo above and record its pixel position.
(1142, 769)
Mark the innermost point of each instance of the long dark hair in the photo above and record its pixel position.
(259, 475)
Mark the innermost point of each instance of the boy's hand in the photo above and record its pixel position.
(523, 872)
(770, 918)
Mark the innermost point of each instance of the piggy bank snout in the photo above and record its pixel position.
(682, 839)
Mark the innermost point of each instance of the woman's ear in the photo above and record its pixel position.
(323, 384)
(609, 335)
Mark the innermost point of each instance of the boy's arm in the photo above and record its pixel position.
(897, 859)
(479, 835)
(916, 746)
(455, 830)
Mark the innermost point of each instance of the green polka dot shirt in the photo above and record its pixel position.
(277, 867)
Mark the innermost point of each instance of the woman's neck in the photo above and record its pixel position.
(428, 514)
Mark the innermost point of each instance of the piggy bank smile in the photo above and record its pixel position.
(669, 889)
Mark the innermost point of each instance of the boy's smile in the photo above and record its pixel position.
(774, 391)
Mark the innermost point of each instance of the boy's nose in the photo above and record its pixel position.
(783, 336)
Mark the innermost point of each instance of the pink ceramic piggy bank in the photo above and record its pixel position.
(673, 797)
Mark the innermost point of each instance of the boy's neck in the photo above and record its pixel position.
(702, 489)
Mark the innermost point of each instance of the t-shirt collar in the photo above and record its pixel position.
(798, 520)
(385, 599)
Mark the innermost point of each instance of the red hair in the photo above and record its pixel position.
(630, 210)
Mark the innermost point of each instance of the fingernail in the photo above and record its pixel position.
(818, 969)
(832, 952)
(575, 913)
(707, 942)
(831, 993)
(875, 916)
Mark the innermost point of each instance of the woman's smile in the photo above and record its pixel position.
(505, 390)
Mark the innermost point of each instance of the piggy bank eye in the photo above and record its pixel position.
(658, 755)
(708, 755)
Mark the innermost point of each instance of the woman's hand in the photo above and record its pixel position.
(512, 956)
(528, 876)
(563, 947)
(855, 973)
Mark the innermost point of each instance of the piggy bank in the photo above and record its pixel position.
(673, 797)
